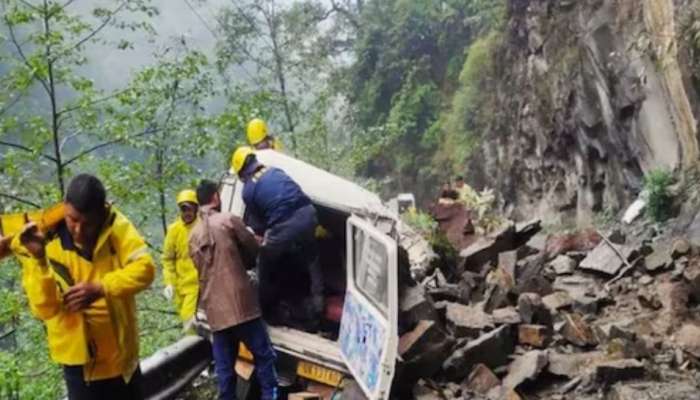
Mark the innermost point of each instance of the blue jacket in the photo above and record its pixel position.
(271, 197)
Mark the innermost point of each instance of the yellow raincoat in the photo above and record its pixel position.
(178, 269)
(104, 337)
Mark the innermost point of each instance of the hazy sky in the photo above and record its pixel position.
(111, 68)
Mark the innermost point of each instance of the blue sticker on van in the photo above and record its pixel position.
(362, 339)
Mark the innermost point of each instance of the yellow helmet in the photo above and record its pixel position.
(239, 158)
(187, 196)
(256, 131)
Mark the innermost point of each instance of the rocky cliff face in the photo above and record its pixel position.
(593, 94)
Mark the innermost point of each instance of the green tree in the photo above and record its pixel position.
(51, 113)
(281, 50)
(166, 102)
(145, 139)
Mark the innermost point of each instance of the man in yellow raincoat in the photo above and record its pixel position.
(179, 273)
(81, 279)
(259, 138)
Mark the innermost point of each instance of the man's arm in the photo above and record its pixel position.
(136, 269)
(245, 240)
(37, 280)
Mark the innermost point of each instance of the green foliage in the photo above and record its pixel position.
(420, 221)
(23, 349)
(146, 140)
(409, 54)
(47, 102)
(281, 50)
(660, 201)
(468, 114)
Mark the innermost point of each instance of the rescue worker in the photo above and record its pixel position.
(220, 245)
(179, 273)
(81, 280)
(278, 209)
(258, 137)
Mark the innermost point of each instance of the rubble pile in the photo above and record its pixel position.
(584, 315)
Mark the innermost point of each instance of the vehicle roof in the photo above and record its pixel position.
(324, 188)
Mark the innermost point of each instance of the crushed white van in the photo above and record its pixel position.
(361, 263)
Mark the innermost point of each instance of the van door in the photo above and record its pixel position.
(231, 194)
(368, 329)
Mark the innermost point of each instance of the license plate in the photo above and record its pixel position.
(319, 374)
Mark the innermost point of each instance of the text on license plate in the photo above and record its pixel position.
(319, 374)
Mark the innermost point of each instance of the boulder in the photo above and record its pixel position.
(468, 320)
(611, 372)
(574, 365)
(491, 349)
(563, 265)
(605, 260)
(532, 310)
(688, 338)
(534, 335)
(577, 331)
(481, 380)
(525, 368)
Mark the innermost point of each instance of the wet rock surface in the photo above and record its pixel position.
(564, 319)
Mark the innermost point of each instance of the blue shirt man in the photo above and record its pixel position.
(278, 209)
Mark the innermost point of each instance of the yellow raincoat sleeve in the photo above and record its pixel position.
(39, 285)
(136, 268)
(169, 257)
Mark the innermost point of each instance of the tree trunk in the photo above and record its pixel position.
(281, 78)
(161, 190)
(54, 107)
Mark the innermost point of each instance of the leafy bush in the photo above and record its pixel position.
(657, 183)
(421, 222)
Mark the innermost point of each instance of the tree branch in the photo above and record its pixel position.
(30, 5)
(25, 148)
(92, 103)
(96, 30)
(18, 47)
(67, 138)
(346, 13)
(9, 105)
(8, 334)
(92, 149)
(20, 200)
(66, 4)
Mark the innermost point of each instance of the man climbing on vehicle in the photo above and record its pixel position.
(259, 138)
(278, 209)
(179, 273)
(221, 248)
(81, 280)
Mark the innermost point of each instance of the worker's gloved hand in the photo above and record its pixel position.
(168, 292)
(33, 240)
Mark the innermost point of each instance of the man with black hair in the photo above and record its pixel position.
(81, 280)
(221, 248)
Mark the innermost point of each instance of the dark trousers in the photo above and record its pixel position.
(290, 250)
(225, 347)
(104, 389)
